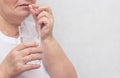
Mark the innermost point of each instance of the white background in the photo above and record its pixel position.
(89, 32)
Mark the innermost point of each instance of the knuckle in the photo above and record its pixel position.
(27, 59)
(44, 12)
(13, 55)
(24, 44)
(29, 51)
(47, 7)
(18, 68)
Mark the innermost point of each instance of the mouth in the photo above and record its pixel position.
(26, 5)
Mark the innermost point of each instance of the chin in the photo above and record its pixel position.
(18, 19)
(23, 15)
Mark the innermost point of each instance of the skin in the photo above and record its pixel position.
(54, 59)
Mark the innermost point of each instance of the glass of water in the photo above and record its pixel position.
(30, 33)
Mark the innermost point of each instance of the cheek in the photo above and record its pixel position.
(6, 4)
(10, 3)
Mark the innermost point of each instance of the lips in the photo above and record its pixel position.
(24, 5)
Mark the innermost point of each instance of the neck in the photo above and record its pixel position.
(9, 29)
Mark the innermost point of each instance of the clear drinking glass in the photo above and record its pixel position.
(30, 33)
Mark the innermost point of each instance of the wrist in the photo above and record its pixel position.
(48, 40)
(2, 74)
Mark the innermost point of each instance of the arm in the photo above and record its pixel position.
(1, 73)
(56, 62)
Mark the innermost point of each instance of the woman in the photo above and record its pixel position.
(14, 57)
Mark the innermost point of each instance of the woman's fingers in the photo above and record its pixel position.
(31, 57)
(44, 18)
(28, 51)
(30, 54)
(28, 67)
(37, 10)
(43, 14)
(17, 61)
(25, 45)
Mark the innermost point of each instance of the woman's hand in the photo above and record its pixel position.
(16, 61)
(44, 18)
